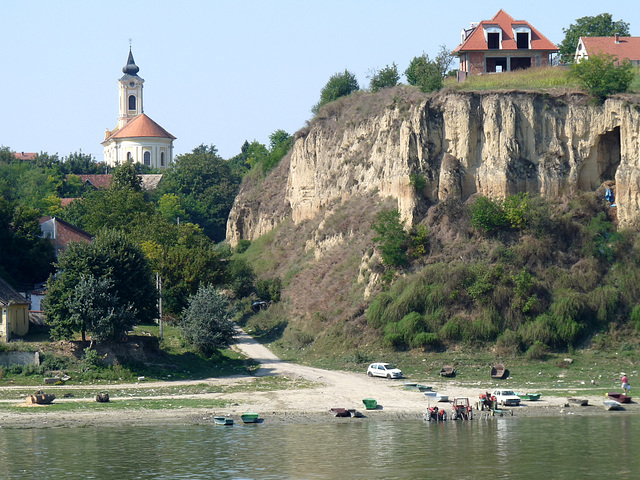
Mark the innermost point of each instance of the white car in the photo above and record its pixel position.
(384, 370)
(506, 397)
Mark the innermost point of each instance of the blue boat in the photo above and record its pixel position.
(223, 420)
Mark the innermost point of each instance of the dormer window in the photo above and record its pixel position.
(493, 36)
(522, 36)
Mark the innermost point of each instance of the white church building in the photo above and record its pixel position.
(137, 137)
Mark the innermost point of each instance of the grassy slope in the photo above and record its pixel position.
(466, 277)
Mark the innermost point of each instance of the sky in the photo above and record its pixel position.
(220, 72)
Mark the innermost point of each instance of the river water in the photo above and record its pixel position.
(568, 447)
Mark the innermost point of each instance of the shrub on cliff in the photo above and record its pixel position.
(603, 75)
(384, 78)
(339, 85)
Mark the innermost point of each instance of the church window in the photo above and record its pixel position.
(132, 102)
(129, 158)
(147, 158)
(162, 159)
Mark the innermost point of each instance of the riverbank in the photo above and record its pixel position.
(307, 397)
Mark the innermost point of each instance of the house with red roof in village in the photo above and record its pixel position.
(624, 48)
(502, 44)
(137, 137)
(61, 233)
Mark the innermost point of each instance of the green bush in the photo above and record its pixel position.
(635, 317)
(488, 215)
(603, 75)
(424, 74)
(427, 340)
(376, 312)
(391, 238)
(509, 343)
(338, 85)
(537, 351)
(384, 78)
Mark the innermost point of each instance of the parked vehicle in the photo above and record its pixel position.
(506, 397)
(435, 414)
(462, 409)
(384, 370)
(486, 401)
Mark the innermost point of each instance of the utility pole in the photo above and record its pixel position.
(159, 288)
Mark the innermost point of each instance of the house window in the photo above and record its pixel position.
(522, 39)
(162, 159)
(147, 158)
(132, 102)
(129, 157)
(493, 41)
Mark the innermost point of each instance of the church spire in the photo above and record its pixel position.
(130, 68)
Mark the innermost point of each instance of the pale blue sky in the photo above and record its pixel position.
(219, 72)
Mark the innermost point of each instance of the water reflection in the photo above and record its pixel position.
(558, 448)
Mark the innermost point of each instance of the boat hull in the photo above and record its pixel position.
(250, 417)
(223, 421)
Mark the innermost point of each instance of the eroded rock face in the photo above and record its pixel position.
(494, 144)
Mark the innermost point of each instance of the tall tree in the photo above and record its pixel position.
(206, 187)
(598, 26)
(110, 256)
(207, 324)
(126, 176)
(424, 73)
(339, 85)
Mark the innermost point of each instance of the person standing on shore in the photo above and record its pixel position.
(626, 388)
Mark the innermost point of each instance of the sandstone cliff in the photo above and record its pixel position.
(493, 144)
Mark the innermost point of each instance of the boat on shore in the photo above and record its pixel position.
(416, 386)
(370, 403)
(40, 398)
(250, 417)
(498, 371)
(531, 397)
(341, 412)
(619, 397)
(612, 405)
(440, 397)
(581, 402)
(223, 420)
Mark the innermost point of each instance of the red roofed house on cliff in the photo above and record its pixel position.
(624, 48)
(502, 44)
(137, 137)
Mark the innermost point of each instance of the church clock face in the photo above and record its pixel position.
(132, 84)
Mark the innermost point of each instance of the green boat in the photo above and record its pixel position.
(370, 403)
(250, 417)
(529, 396)
(223, 420)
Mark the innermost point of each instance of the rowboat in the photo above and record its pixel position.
(498, 371)
(612, 405)
(582, 402)
(370, 403)
(250, 417)
(416, 386)
(223, 420)
(529, 396)
(431, 395)
(448, 371)
(619, 397)
(40, 399)
(341, 412)
(442, 398)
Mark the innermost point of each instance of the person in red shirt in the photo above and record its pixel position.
(626, 388)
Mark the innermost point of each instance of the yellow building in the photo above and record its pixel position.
(14, 312)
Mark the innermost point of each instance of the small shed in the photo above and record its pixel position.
(14, 312)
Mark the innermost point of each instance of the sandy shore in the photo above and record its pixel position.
(301, 405)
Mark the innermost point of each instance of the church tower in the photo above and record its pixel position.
(136, 138)
(130, 92)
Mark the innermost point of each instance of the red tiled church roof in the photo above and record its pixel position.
(476, 40)
(628, 48)
(140, 126)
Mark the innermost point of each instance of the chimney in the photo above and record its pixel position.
(617, 38)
